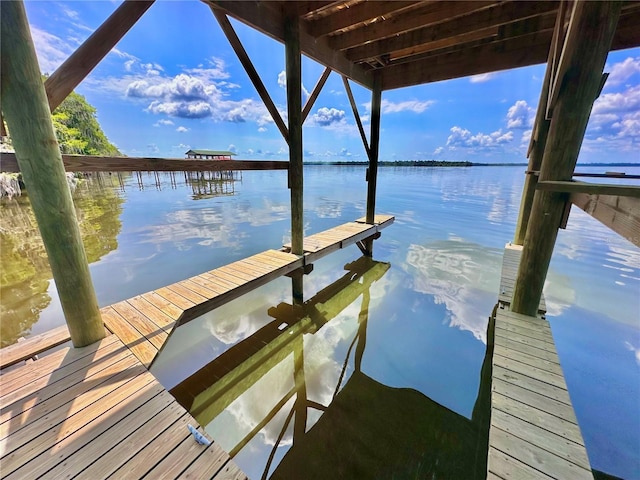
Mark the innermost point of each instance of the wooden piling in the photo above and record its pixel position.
(589, 38)
(26, 109)
(538, 142)
(294, 110)
(374, 144)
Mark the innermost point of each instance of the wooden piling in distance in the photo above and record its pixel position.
(589, 38)
(374, 145)
(26, 110)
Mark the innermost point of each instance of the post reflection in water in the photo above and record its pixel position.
(363, 430)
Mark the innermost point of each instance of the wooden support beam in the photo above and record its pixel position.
(29, 119)
(430, 14)
(557, 44)
(525, 50)
(237, 46)
(75, 69)
(356, 14)
(314, 94)
(372, 177)
(294, 109)
(589, 188)
(267, 17)
(538, 141)
(89, 163)
(356, 115)
(591, 30)
(620, 214)
(489, 18)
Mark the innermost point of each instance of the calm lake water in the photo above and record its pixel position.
(395, 346)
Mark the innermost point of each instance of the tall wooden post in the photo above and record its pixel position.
(374, 145)
(538, 142)
(294, 113)
(26, 109)
(591, 30)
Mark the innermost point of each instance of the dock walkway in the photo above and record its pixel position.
(144, 322)
(534, 432)
(97, 412)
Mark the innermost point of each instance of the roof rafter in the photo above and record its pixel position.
(267, 17)
(524, 50)
(431, 14)
(487, 19)
(357, 14)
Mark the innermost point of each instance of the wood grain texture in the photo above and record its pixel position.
(88, 163)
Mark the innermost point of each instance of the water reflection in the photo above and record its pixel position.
(456, 273)
(25, 276)
(462, 275)
(283, 391)
(212, 184)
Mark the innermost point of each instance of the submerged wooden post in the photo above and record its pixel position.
(27, 113)
(374, 144)
(591, 30)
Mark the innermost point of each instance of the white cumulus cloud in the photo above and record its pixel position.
(483, 77)
(623, 71)
(326, 117)
(387, 106)
(520, 115)
(461, 137)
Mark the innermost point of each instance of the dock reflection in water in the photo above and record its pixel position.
(343, 424)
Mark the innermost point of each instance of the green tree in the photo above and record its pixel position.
(78, 130)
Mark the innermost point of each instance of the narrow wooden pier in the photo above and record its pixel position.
(144, 322)
(97, 412)
(534, 432)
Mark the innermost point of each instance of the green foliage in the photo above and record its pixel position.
(78, 130)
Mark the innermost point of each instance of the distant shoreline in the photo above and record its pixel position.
(440, 163)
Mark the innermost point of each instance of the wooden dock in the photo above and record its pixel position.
(97, 412)
(510, 262)
(534, 432)
(144, 322)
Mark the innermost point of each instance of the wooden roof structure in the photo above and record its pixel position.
(417, 41)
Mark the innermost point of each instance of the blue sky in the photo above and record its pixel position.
(174, 83)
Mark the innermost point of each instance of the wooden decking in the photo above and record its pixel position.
(510, 262)
(144, 322)
(96, 412)
(534, 432)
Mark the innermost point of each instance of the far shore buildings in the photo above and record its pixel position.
(209, 154)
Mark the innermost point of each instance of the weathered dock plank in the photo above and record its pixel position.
(33, 346)
(100, 414)
(533, 432)
(97, 412)
(510, 263)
